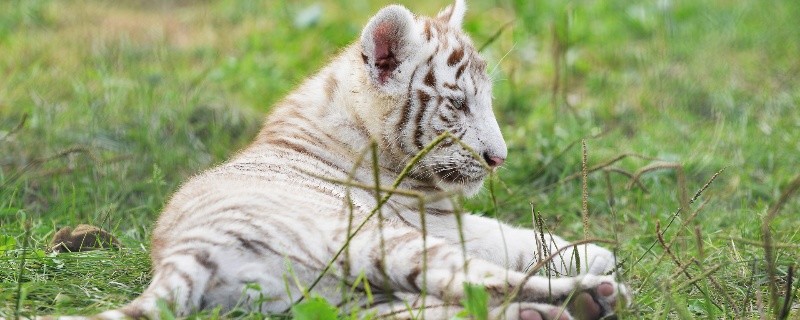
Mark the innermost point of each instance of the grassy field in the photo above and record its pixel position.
(106, 107)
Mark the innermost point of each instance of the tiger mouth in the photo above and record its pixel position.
(458, 177)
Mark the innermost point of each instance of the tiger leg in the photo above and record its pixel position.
(518, 248)
(586, 296)
(399, 266)
(529, 311)
(179, 281)
(413, 306)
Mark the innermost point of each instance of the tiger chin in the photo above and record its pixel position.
(297, 210)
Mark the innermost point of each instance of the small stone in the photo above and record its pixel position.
(83, 238)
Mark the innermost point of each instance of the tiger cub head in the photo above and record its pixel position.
(432, 70)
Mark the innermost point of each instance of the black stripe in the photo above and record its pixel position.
(174, 270)
(455, 57)
(418, 126)
(460, 70)
(430, 79)
(411, 278)
(202, 257)
(283, 143)
(405, 112)
(438, 212)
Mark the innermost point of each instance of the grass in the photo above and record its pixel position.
(106, 107)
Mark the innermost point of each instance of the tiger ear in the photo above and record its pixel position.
(387, 42)
(453, 14)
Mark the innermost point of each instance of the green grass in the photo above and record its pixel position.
(123, 101)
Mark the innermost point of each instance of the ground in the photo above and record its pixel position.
(106, 107)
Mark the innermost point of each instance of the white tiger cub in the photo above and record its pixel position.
(277, 214)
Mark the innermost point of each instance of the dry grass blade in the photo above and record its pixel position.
(532, 271)
(668, 250)
(748, 296)
(698, 238)
(787, 297)
(608, 163)
(774, 245)
(685, 223)
(680, 270)
(684, 268)
(541, 245)
(496, 210)
(461, 239)
(705, 186)
(384, 189)
(496, 35)
(728, 299)
(557, 54)
(351, 206)
(675, 215)
(377, 191)
(424, 288)
(668, 246)
(40, 161)
(609, 189)
(22, 258)
(560, 154)
(628, 175)
(584, 202)
(762, 315)
(66, 170)
(769, 255)
(16, 128)
(694, 281)
(660, 165)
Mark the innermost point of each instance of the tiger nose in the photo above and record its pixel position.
(492, 160)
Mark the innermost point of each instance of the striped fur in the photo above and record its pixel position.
(277, 213)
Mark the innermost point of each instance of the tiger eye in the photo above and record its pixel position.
(457, 103)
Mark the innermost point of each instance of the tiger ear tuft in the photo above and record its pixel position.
(387, 41)
(453, 14)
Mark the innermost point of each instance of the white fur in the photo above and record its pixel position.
(454, 13)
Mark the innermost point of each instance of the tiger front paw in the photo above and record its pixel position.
(530, 311)
(598, 297)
